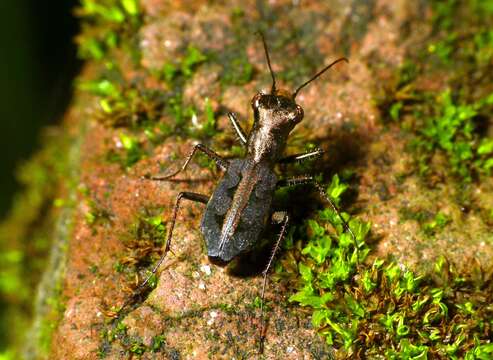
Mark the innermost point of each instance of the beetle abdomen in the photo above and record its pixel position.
(227, 232)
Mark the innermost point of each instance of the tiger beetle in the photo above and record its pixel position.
(240, 207)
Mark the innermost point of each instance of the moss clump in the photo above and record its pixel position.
(145, 240)
(107, 25)
(129, 150)
(144, 245)
(125, 104)
(131, 346)
(452, 130)
(448, 131)
(149, 115)
(382, 308)
(430, 223)
(185, 66)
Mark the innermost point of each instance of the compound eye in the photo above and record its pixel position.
(299, 113)
(256, 101)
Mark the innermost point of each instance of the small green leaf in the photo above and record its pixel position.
(316, 229)
(418, 304)
(395, 110)
(306, 298)
(347, 335)
(305, 272)
(169, 72)
(393, 272)
(488, 164)
(320, 316)
(354, 306)
(128, 142)
(157, 342)
(486, 146)
(366, 280)
(192, 58)
(336, 189)
(209, 127)
(131, 6)
(466, 308)
(402, 329)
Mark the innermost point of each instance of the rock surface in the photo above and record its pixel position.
(197, 310)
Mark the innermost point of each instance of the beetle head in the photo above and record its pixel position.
(280, 105)
(277, 110)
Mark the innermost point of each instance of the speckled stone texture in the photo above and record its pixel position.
(201, 311)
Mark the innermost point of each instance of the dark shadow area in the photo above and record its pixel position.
(38, 64)
(301, 201)
(36, 73)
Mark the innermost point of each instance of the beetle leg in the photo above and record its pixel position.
(222, 163)
(237, 127)
(310, 180)
(182, 195)
(301, 157)
(280, 217)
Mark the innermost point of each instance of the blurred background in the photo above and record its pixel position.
(37, 66)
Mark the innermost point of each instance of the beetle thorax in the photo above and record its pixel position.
(269, 135)
(275, 115)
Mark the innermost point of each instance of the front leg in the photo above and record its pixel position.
(237, 127)
(301, 157)
(222, 163)
(310, 180)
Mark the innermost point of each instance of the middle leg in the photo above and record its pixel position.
(310, 180)
(301, 157)
(222, 163)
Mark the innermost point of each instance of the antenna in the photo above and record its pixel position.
(273, 90)
(317, 75)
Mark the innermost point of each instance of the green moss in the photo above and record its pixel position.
(185, 66)
(150, 227)
(106, 25)
(56, 305)
(209, 127)
(137, 347)
(118, 331)
(123, 103)
(144, 243)
(446, 128)
(451, 130)
(131, 104)
(237, 71)
(430, 223)
(157, 343)
(131, 7)
(382, 307)
(96, 214)
(128, 153)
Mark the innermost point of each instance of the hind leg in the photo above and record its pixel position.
(183, 195)
(279, 217)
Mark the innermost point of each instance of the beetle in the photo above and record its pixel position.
(240, 207)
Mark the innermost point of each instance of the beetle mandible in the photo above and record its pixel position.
(241, 205)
